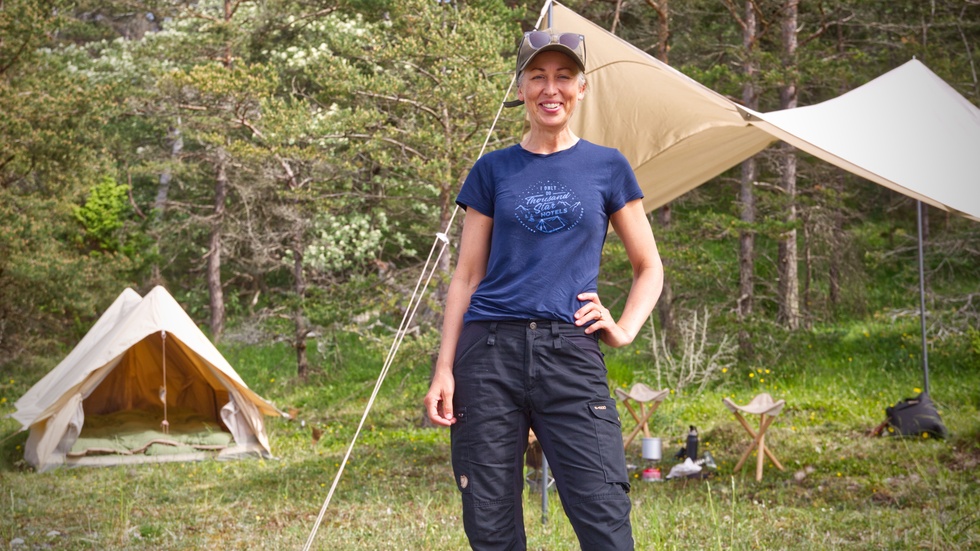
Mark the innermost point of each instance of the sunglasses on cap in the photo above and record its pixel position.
(535, 42)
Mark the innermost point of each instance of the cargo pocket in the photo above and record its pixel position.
(609, 438)
(460, 445)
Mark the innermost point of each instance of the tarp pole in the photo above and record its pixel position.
(544, 488)
(922, 304)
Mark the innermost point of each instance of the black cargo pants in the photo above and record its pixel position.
(549, 376)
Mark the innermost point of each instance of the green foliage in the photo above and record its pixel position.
(50, 292)
(101, 214)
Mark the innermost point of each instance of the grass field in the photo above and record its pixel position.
(841, 489)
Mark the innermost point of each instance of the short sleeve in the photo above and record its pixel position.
(623, 184)
(477, 191)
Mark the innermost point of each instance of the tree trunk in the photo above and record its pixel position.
(807, 266)
(837, 240)
(214, 248)
(163, 188)
(163, 192)
(299, 319)
(837, 229)
(447, 207)
(215, 290)
(746, 196)
(788, 288)
(665, 305)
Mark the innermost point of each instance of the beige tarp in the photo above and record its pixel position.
(119, 366)
(907, 130)
(676, 133)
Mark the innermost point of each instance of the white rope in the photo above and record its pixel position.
(399, 336)
(165, 425)
(428, 271)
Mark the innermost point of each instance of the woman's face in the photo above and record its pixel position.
(551, 88)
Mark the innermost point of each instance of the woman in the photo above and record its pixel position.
(523, 319)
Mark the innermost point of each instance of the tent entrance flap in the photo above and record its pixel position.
(137, 382)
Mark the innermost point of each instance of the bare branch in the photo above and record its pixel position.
(397, 99)
(16, 55)
(129, 191)
(731, 8)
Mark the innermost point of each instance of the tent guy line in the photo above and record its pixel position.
(441, 242)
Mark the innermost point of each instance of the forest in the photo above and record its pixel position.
(282, 167)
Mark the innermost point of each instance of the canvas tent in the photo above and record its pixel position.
(142, 363)
(907, 130)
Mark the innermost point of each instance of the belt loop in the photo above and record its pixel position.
(492, 339)
(555, 334)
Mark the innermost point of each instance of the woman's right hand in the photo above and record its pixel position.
(439, 399)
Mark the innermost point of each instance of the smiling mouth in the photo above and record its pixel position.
(551, 105)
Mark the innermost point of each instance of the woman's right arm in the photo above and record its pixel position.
(474, 253)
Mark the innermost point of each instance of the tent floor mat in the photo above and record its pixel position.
(115, 460)
(139, 434)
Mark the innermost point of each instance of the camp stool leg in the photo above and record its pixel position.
(758, 405)
(641, 394)
(641, 421)
(754, 444)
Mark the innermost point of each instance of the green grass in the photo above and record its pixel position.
(841, 489)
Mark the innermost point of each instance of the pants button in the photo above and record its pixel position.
(534, 325)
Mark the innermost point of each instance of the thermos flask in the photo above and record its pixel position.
(692, 444)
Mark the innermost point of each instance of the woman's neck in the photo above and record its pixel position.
(544, 142)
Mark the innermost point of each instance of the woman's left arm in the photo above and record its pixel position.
(633, 228)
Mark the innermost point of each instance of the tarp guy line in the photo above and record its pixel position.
(441, 241)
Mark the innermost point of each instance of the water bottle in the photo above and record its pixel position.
(692, 443)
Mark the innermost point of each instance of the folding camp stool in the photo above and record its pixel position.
(641, 394)
(767, 410)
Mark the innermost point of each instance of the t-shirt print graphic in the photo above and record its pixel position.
(548, 207)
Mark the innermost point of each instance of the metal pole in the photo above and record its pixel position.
(544, 488)
(922, 305)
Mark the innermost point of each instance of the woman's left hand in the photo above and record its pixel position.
(593, 311)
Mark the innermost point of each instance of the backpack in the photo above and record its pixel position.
(915, 417)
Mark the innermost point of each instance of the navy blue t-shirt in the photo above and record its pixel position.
(550, 214)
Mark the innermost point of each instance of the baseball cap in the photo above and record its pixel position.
(535, 42)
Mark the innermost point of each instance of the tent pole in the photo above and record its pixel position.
(922, 305)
